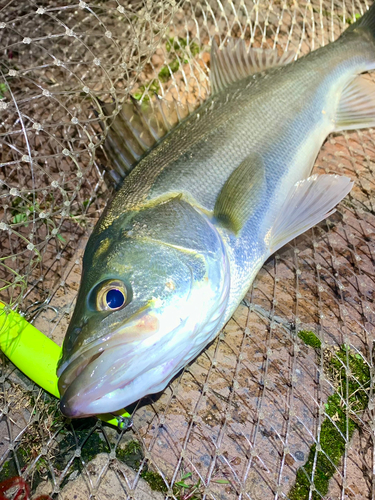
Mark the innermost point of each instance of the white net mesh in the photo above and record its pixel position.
(269, 410)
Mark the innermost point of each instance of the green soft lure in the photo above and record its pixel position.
(36, 355)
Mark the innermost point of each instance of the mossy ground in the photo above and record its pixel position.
(347, 370)
(34, 438)
(350, 374)
(155, 481)
(75, 435)
(132, 455)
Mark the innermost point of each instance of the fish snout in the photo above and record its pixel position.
(69, 410)
(69, 371)
(75, 338)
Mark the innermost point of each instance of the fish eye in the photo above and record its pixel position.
(110, 295)
(115, 298)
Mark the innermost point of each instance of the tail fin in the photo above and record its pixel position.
(367, 21)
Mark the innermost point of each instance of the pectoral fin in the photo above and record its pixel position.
(241, 194)
(357, 105)
(309, 201)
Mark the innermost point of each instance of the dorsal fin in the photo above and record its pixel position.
(135, 129)
(138, 125)
(235, 62)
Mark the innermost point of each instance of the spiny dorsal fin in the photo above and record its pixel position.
(357, 105)
(135, 129)
(309, 201)
(242, 193)
(235, 62)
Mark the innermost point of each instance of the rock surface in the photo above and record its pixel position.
(108, 481)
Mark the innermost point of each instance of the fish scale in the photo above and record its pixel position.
(201, 212)
(228, 124)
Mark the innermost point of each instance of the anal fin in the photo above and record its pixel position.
(357, 105)
(242, 193)
(309, 201)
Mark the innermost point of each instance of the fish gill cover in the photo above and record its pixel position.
(253, 416)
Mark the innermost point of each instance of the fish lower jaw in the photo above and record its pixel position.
(82, 404)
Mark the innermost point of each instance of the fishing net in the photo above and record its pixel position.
(280, 404)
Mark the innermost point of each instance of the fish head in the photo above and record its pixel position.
(153, 290)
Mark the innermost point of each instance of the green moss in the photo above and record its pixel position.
(32, 441)
(349, 20)
(131, 455)
(310, 339)
(181, 43)
(3, 89)
(165, 72)
(155, 481)
(332, 446)
(152, 87)
(175, 46)
(176, 43)
(194, 49)
(90, 446)
(9, 468)
(24, 457)
(93, 446)
(352, 376)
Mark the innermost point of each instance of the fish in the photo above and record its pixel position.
(181, 241)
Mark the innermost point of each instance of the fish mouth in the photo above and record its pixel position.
(82, 371)
(106, 381)
(92, 376)
(113, 373)
(70, 371)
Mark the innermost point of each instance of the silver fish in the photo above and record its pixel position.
(178, 246)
